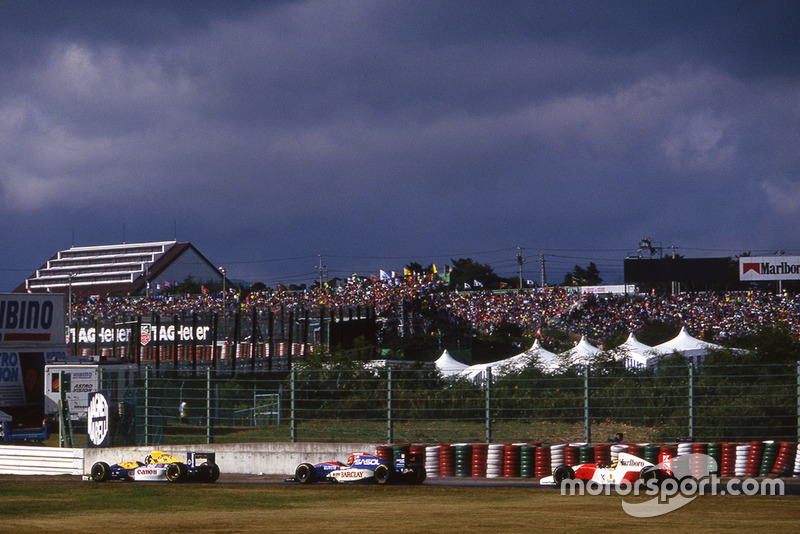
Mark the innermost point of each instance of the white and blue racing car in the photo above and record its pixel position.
(362, 467)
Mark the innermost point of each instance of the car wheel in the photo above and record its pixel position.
(562, 473)
(382, 474)
(420, 475)
(652, 472)
(213, 472)
(101, 472)
(176, 472)
(203, 472)
(305, 473)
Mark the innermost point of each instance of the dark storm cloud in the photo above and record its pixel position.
(402, 131)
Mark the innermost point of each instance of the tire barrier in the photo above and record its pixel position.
(768, 458)
(527, 461)
(797, 460)
(447, 461)
(602, 453)
(512, 456)
(463, 460)
(651, 451)
(537, 460)
(754, 458)
(543, 461)
(384, 452)
(494, 461)
(742, 453)
(557, 455)
(480, 452)
(586, 454)
(784, 461)
(432, 465)
(700, 465)
(714, 450)
(571, 456)
(636, 450)
(727, 464)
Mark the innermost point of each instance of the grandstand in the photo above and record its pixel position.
(124, 269)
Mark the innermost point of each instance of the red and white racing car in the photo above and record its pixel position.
(629, 468)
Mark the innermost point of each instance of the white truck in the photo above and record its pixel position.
(82, 379)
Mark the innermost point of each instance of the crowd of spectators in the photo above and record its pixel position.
(714, 315)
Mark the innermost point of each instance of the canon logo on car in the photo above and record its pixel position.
(146, 472)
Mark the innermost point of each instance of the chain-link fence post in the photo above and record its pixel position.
(691, 400)
(389, 420)
(587, 421)
(146, 406)
(292, 417)
(209, 418)
(488, 405)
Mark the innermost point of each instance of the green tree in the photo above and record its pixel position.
(468, 271)
(579, 276)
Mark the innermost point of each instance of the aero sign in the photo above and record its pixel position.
(764, 268)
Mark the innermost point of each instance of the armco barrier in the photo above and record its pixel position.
(20, 460)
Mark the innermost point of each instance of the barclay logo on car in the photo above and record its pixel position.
(349, 474)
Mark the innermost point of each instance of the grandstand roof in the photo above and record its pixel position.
(120, 269)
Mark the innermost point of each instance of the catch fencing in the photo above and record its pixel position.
(707, 402)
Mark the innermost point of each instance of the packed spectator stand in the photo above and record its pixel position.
(715, 316)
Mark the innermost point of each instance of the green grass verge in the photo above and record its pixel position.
(55, 504)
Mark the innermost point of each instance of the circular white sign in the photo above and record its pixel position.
(97, 415)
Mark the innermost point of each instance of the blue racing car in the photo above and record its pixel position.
(160, 466)
(362, 467)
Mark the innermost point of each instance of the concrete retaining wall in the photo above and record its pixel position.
(241, 458)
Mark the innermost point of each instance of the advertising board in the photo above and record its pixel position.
(31, 319)
(765, 268)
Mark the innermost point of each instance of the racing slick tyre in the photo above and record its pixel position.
(562, 473)
(305, 473)
(652, 472)
(176, 472)
(382, 474)
(213, 472)
(203, 472)
(101, 472)
(414, 475)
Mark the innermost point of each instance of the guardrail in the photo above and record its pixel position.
(22, 460)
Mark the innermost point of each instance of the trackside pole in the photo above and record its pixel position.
(389, 422)
(209, 421)
(488, 405)
(292, 418)
(587, 421)
(691, 401)
(146, 405)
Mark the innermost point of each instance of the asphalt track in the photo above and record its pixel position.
(791, 485)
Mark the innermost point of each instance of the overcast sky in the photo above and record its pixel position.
(381, 133)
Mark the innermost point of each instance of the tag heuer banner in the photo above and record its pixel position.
(764, 268)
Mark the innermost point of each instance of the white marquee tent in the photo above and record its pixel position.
(581, 354)
(634, 352)
(449, 366)
(687, 345)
